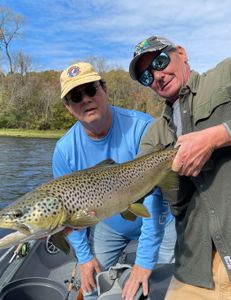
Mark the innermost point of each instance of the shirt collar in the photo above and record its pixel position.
(193, 82)
(192, 86)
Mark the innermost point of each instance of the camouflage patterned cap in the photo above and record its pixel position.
(152, 44)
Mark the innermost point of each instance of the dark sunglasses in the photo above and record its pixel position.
(76, 95)
(158, 63)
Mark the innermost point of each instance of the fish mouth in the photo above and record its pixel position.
(24, 234)
(23, 228)
(13, 239)
(21, 235)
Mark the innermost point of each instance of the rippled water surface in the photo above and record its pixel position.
(24, 164)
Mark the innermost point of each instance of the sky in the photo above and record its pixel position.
(58, 33)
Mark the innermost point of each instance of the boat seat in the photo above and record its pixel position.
(111, 283)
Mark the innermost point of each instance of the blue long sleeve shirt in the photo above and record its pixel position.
(77, 151)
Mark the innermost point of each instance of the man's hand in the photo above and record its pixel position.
(67, 230)
(137, 276)
(196, 149)
(87, 271)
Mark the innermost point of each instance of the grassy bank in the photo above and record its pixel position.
(32, 133)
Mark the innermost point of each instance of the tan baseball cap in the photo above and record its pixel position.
(75, 75)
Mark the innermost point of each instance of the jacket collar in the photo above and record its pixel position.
(191, 86)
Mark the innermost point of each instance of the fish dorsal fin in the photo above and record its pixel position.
(128, 215)
(170, 181)
(105, 163)
(158, 147)
(139, 210)
(108, 161)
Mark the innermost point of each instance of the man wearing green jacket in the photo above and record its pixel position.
(197, 118)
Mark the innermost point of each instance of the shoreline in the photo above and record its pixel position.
(29, 133)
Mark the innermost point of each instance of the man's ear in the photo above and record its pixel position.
(104, 87)
(68, 107)
(181, 51)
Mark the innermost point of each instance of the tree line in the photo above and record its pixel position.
(31, 100)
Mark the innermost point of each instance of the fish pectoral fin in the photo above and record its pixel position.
(170, 181)
(128, 215)
(83, 221)
(59, 240)
(139, 210)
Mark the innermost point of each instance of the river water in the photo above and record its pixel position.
(25, 163)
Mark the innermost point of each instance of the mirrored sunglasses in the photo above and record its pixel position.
(76, 95)
(158, 63)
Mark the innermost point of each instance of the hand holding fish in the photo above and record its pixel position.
(67, 231)
(197, 147)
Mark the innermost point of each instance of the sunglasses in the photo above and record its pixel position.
(158, 63)
(76, 95)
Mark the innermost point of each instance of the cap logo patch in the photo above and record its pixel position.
(73, 71)
(141, 47)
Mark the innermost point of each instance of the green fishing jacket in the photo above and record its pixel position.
(202, 205)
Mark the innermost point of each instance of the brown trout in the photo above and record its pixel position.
(86, 197)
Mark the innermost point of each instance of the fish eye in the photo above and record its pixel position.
(17, 214)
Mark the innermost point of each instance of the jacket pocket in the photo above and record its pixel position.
(220, 97)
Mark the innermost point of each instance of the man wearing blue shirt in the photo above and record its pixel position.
(104, 131)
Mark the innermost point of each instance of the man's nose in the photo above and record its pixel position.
(86, 98)
(158, 75)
